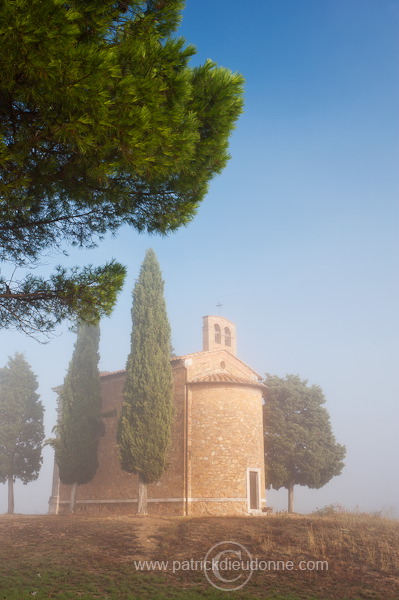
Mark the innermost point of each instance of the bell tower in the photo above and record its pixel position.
(218, 333)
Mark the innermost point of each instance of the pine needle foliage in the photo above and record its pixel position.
(21, 423)
(80, 426)
(144, 432)
(103, 123)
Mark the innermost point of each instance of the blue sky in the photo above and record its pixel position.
(297, 238)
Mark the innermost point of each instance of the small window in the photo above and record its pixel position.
(218, 334)
(227, 336)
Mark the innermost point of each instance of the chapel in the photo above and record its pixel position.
(216, 460)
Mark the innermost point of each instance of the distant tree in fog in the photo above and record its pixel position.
(21, 425)
(300, 448)
(80, 425)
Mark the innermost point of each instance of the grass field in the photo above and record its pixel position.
(345, 556)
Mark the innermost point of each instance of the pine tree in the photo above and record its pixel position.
(103, 123)
(80, 426)
(21, 425)
(300, 448)
(144, 431)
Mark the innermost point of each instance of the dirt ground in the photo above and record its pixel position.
(362, 554)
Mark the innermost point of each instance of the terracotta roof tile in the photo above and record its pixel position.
(224, 378)
(108, 373)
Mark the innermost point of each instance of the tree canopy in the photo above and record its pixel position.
(144, 431)
(103, 123)
(21, 425)
(300, 448)
(80, 426)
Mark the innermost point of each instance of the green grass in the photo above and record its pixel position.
(68, 585)
(124, 585)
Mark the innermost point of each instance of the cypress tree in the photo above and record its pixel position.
(21, 425)
(80, 425)
(144, 431)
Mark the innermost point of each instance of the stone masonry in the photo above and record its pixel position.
(216, 461)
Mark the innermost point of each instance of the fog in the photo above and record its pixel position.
(297, 238)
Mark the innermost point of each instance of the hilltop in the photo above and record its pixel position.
(346, 556)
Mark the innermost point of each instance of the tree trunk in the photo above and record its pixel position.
(11, 495)
(72, 503)
(291, 498)
(142, 499)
